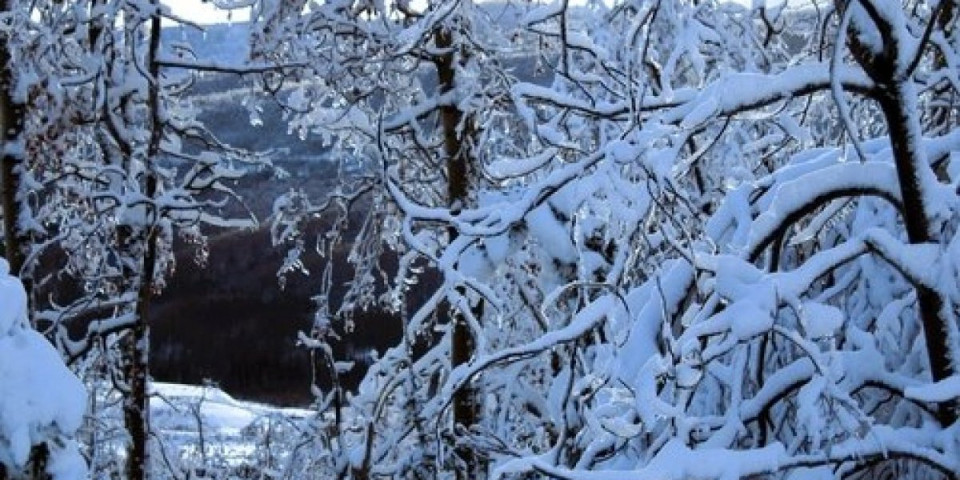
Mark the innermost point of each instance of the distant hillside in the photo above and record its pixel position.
(226, 42)
(229, 321)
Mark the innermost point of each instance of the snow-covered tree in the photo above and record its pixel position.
(802, 320)
(118, 168)
(682, 239)
(719, 243)
(417, 97)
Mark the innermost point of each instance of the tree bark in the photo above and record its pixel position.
(897, 98)
(137, 404)
(457, 158)
(15, 242)
(903, 126)
(12, 114)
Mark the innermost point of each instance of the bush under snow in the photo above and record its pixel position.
(42, 401)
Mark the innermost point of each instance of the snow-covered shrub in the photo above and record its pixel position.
(41, 402)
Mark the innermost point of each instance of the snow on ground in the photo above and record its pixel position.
(201, 428)
(172, 404)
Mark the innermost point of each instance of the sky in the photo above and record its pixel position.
(203, 11)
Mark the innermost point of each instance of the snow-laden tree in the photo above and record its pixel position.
(118, 169)
(802, 319)
(43, 402)
(720, 244)
(415, 97)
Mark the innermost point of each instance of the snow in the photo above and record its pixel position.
(704, 111)
(820, 320)
(946, 389)
(42, 400)
(14, 300)
(65, 461)
(646, 306)
(552, 234)
(202, 427)
(826, 183)
(505, 168)
(171, 409)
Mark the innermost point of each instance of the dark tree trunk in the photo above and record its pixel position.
(15, 242)
(457, 158)
(137, 367)
(11, 121)
(930, 302)
(897, 100)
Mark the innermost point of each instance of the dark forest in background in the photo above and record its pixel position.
(227, 320)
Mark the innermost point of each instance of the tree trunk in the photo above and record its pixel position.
(904, 130)
(11, 122)
(457, 158)
(137, 404)
(898, 100)
(15, 243)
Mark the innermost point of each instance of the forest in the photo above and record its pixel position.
(555, 239)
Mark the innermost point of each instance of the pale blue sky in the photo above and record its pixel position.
(203, 12)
